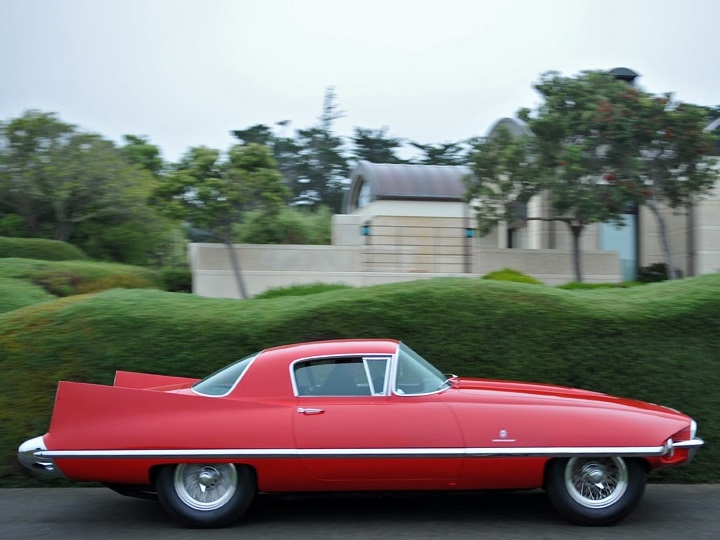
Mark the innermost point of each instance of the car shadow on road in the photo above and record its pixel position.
(395, 507)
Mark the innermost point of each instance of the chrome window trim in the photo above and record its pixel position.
(383, 392)
(550, 452)
(366, 368)
(361, 356)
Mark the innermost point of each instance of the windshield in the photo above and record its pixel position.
(222, 382)
(415, 375)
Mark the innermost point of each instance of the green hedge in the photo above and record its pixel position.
(657, 343)
(39, 248)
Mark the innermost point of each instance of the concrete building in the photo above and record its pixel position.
(408, 222)
(403, 223)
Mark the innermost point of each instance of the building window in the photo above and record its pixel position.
(517, 237)
(624, 241)
(363, 195)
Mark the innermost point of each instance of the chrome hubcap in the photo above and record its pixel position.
(205, 487)
(596, 482)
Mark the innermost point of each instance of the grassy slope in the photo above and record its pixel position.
(17, 293)
(64, 278)
(658, 343)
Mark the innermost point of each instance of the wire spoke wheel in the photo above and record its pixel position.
(206, 494)
(596, 482)
(595, 490)
(205, 487)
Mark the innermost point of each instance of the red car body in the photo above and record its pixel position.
(399, 425)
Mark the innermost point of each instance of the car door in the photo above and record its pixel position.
(351, 430)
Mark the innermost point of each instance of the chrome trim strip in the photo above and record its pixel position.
(624, 451)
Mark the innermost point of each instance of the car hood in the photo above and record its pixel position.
(526, 392)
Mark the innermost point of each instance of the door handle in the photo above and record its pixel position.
(303, 410)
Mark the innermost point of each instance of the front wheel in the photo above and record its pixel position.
(595, 490)
(206, 495)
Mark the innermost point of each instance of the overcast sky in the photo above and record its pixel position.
(186, 72)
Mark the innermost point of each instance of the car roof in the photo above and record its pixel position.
(338, 346)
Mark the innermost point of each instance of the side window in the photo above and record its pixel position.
(340, 377)
(415, 375)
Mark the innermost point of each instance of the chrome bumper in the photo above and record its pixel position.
(692, 445)
(43, 465)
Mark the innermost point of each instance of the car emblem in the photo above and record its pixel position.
(503, 437)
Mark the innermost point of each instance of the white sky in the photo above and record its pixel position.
(186, 72)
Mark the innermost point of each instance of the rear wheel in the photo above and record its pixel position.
(595, 490)
(206, 494)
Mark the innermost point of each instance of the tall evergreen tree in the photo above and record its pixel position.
(448, 153)
(375, 146)
(322, 170)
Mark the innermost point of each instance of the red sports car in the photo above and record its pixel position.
(353, 415)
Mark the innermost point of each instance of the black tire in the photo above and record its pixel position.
(595, 490)
(206, 495)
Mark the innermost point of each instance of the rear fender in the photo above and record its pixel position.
(96, 417)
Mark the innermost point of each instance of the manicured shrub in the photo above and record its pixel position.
(508, 274)
(655, 272)
(290, 226)
(176, 279)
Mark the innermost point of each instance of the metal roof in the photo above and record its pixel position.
(407, 182)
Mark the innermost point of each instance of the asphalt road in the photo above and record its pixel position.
(673, 511)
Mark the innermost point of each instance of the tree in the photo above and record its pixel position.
(579, 152)
(568, 160)
(321, 171)
(214, 194)
(312, 161)
(55, 178)
(669, 163)
(257, 134)
(504, 179)
(285, 150)
(140, 151)
(375, 146)
(28, 145)
(599, 145)
(448, 153)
